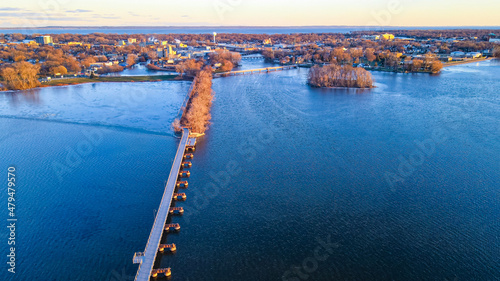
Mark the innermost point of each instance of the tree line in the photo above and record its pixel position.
(386, 59)
(20, 76)
(227, 59)
(334, 75)
(196, 116)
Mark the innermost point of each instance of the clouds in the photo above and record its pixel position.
(79, 11)
(36, 17)
(10, 9)
(277, 13)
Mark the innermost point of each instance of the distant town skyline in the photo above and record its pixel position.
(34, 13)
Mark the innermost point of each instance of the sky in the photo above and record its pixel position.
(38, 13)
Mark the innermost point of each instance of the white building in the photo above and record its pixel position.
(473, 55)
(371, 37)
(457, 54)
(44, 40)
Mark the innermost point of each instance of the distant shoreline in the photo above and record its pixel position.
(108, 79)
(252, 27)
(446, 64)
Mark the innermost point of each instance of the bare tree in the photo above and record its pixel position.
(339, 76)
(21, 76)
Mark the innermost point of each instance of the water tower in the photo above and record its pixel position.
(215, 33)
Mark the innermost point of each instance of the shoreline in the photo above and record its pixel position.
(158, 78)
(84, 80)
(447, 64)
(110, 79)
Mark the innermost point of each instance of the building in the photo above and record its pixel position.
(387, 36)
(29, 42)
(169, 52)
(445, 58)
(44, 40)
(495, 40)
(371, 37)
(131, 41)
(473, 55)
(457, 54)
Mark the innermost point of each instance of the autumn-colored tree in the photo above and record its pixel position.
(416, 65)
(197, 113)
(87, 62)
(189, 67)
(436, 66)
(132, 59)
(152, 55)
(428, 59)
(72, 65)
(496, 52)
(370, 54)
(101, 58)
(392, 61)
(21, 76)
(339, 54)
(110, 69)
(339, 76)
(268, 54)
(226, 65)
(58, 70)
(356, 53)
(219, 56)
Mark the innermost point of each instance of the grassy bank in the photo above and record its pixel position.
(81, 80)
(464, 62)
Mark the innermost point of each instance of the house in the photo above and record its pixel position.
(131, 41)
(473, 55)
(29, 42)
(495, 40)
(371, 37)
(457, 54)
(445, 58)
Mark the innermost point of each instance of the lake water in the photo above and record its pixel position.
(400, 182)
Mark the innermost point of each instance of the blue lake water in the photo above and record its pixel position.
(283, 170)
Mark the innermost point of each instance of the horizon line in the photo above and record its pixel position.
(247, 26)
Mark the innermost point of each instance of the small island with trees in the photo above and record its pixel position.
(333, 75)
